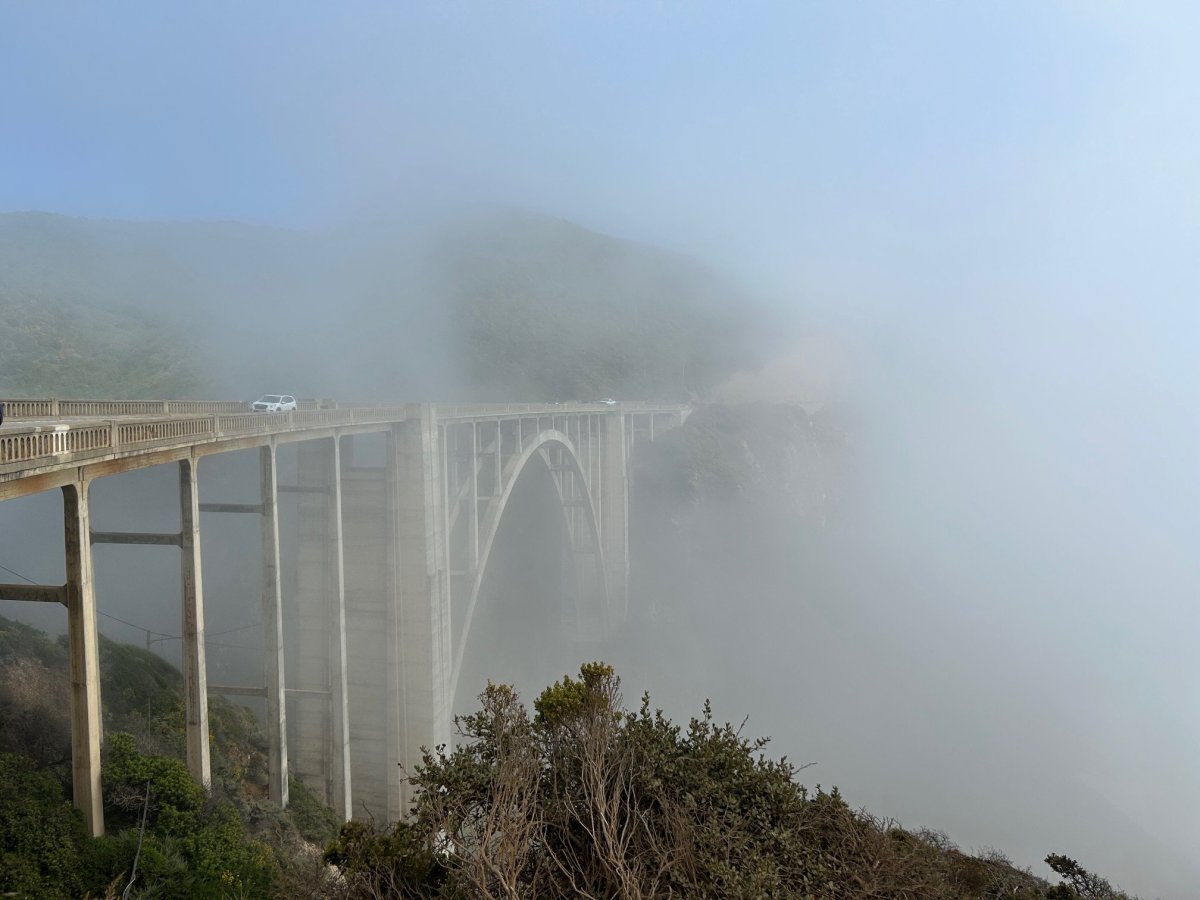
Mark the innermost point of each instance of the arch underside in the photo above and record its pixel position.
(584, 602)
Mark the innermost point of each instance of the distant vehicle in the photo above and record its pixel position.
(274, 403)
(607, 401)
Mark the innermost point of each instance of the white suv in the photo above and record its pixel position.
(274, 403)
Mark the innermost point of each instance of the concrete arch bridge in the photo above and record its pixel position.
(390, 557)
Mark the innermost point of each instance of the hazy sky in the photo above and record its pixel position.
(996, 206)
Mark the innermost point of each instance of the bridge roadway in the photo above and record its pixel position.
(391, 560)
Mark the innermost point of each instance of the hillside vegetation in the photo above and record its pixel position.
(492, 304)
(59, 348)
(581, 798)
(230, 842)
(551, 310)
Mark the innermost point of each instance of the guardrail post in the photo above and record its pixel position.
(53, 407)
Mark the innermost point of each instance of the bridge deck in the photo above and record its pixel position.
(44, 442)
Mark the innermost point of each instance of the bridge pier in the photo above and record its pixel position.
(614, 512)
(272, 619)
(195, 672)
(83, 643)
(320, 737)
(373, 635)
(426, 666)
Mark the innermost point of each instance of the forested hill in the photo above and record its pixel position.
(484, 304)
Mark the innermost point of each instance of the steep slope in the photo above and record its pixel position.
(59, 348)
(229, 841)
(483, 305)
(556, 311)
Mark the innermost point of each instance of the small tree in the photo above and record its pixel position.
(1080, 880)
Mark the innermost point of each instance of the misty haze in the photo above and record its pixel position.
(825, 370)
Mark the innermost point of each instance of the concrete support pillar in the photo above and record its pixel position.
(342, 801)
(474, 520)
(83, 643)
(614, 513)
(319, 740)
(425, 626)
(373, 636)
(498, 463)
(194, 670)
(396, 761)
(272, 618)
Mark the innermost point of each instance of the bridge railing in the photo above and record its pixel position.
(26, 408)
(175, 422)
(162, 430)
(476, 410)
(32, 445)
(204, 407)
(29, 409)
(55, 442)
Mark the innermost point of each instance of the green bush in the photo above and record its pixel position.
(585, 798)
(316, 822)
(43, 841)
(195, 847)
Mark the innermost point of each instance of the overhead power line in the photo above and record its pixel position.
(160, 635)
(18, 574)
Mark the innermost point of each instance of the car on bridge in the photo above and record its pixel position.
(274, 403)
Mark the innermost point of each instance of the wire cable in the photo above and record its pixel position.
(161, 635)
(18, 574)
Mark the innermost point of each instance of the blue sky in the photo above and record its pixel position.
(285, 113)
(817, 148)
(995, 203)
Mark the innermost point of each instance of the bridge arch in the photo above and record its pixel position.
(549, 448)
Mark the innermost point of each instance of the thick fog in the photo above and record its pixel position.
(973, 227)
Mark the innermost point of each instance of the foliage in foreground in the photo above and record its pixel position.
(227, 842)
(585, 799)
(578, 798)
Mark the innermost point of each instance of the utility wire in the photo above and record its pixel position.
(161, 635)
(232, 630)
(18, 574)
(133, 625)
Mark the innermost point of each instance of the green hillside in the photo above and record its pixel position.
(226, 842)
(482, 305)
(59, 348)
(555, 311)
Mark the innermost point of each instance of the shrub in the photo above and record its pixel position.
(43, 841)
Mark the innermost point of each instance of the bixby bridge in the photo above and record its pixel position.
(391, 558)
